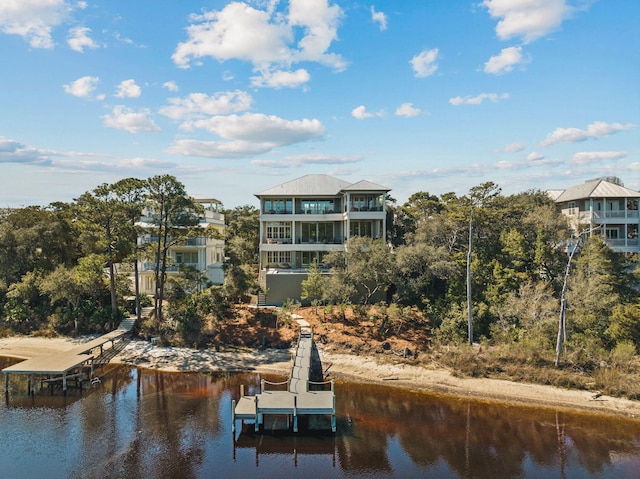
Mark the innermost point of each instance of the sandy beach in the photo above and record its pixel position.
(339, 366)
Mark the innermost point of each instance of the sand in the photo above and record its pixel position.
(339, 366)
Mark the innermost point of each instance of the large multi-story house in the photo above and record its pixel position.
(304, 219)
(204, 254)
(603, 206)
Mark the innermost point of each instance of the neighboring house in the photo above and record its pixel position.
(606, 208)
(203, 253)
(304, 219)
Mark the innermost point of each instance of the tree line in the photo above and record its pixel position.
(62, 267)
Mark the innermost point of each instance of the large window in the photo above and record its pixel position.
(278, 230)
(278, 205)
(279, 257)
(309, 257)
(186, 257)
(317, 233)
(317, 207)
(361, 228)
(366, 202)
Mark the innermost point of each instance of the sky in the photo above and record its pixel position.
(233, 98)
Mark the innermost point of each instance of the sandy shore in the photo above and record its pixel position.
(340, 366)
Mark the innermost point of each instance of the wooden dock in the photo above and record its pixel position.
(297, 400)
(66, 365)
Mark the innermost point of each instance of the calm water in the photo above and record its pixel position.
(145, 424)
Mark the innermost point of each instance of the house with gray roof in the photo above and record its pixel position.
(605, 207)
(304, 219)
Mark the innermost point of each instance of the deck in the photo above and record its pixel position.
(65, 365)
(297, 400)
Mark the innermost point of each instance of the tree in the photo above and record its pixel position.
(131, 196)
(313, 286)
(105, 230)
(175, 217)
(366, 265)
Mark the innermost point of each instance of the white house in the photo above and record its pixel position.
(203, 253)
(303, 219)
(603, 206)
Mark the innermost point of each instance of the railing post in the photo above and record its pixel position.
(233, 416)
(295, 413)
(242, 390)
(262, 386)
(257, 426)
(332, 384)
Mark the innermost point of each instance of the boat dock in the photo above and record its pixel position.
(65, 366)
(300, 398)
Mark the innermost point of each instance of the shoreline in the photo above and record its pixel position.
(340, 366)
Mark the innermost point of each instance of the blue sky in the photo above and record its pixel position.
(236, 97)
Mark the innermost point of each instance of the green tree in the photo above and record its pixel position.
(131, 197)
(175, 217)
(366, 265)
(313, 286)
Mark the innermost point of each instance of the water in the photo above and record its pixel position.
(147, 424)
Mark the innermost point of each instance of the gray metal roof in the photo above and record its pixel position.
(596, 189)
(365, 185)
(318, 185)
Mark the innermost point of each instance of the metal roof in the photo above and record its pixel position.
(596, 189)
(319, 185)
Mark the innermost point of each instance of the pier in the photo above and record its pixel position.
(302, 397)
(65, 366)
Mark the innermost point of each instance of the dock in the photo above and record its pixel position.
(64, 366)
(302, 396)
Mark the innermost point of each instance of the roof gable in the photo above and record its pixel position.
(596, 189)
(365, 185)
(319, 185)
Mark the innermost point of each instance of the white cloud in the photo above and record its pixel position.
(478, 99)
(33, 20)
(360, 113)
(380, 18)
(280, 79)
(170, 85)
(12, 151)
(82, 87)
(123, 118)
(584, 158)
(217, 149)
(408, 110)
(505, 61)
(528, 19)
(260, 128)
(200, 105)
(247, 135)
(424, 63)
(296, 161)
(594, 130)
(128, 89)
(534, 156)
(265, 38)
(79, 39)
(513, 147)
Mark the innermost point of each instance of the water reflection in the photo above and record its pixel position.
(147, 424)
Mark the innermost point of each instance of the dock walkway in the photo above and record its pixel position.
(65, 365)
(297, 400)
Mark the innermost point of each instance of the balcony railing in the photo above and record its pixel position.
(172, 267)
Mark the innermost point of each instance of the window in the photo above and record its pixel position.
(317, 207)
(317, 233)
(360, 228)
(186, 257)
(279, 257)
(277, 205)
(278, 230)
(309, 257)
(612, 233)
